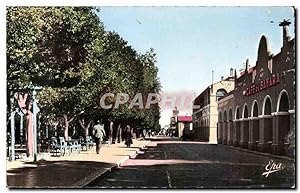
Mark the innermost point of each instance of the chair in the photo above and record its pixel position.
(89, 141)
(55, 147)
(81, 140)
(77, 146)
(64, 146)
(82, 143)
(74, 146)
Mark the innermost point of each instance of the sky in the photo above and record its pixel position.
(191, 42)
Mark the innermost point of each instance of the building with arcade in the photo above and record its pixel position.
(259, 114)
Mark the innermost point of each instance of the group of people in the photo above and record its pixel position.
(99, 134)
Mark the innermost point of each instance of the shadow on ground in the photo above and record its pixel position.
(52, 173)
(190, 165)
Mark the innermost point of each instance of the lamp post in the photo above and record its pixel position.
(12, 130)
(36, 110)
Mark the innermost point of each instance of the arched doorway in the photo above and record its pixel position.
(266, 126)
(283, 107)
(267, 106)
(236, 127)
(225, 123)
(281, 127)
(230, 127)
(237, 113)
(230, 115)
(267, 110)
(283, 102)
(255, 109)
(219, 127)
(245, 128)
(245, 111)
(253, 127)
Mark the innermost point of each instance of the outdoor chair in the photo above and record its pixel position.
(77, 146)
(82, 142)
(74, 146)
(87, 143)
(64, 146)
(90, 141)
(55, 147)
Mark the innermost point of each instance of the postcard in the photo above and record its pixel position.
(120, 97)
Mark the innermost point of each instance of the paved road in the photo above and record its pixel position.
(175, 164)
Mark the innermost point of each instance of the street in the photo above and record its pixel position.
(167, 163)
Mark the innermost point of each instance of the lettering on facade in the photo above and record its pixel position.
(264, 84)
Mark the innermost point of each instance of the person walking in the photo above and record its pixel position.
(99, 133)
(128, 135)
(110, 131)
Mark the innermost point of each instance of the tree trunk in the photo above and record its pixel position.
(26, 109)
(86, 131)
(85, 128)
(29, 133)
(66, 129)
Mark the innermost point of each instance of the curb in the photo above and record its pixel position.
(88, 179)
(102, 173)
(133, 154)
(258, 153)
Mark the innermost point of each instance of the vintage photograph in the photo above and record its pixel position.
(155, 97)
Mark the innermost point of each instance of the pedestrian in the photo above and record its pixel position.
(123, 132)
(110, 134)
(128, 136)
(119, 133)
(99, 133)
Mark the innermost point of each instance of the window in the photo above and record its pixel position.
(220, 93)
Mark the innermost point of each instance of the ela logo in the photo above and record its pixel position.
(272, 167)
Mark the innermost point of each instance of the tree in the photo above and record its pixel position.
(67, 51)
(49, 46)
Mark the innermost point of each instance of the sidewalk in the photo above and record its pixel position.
(257, 152)
(74, 171)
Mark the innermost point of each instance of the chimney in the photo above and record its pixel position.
(222, 77)
(231, 72)
(285, 35)
(247, 65)
(235, 79)
(235, 75)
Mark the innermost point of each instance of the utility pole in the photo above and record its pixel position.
(212, 77)
(212, 81)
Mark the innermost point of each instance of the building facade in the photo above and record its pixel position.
(259, 114)
(173, 128)
(205, 112)
(184, 125)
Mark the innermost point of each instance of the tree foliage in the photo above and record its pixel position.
(67, 51)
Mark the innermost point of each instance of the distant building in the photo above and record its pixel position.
(259, 114)
(183, 123)
(172, 128)
(205, 112)
(179, 123)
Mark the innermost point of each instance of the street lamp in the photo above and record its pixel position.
(36, 109)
